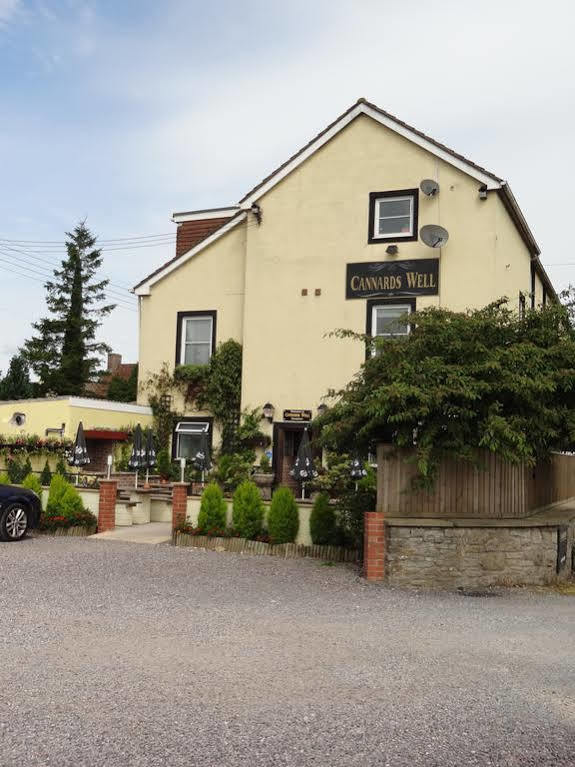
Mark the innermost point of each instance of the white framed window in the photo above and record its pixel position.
(196, 334)
(390, 319)
(189, 435)
(393, 216)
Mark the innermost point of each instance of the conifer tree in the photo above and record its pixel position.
(64, 352)
(16, 383)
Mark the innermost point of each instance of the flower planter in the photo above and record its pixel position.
(141, 514)
(123, 515)
(264, 482)
(285, 550)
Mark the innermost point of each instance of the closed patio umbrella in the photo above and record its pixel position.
(150, 457)
(138, 457)
(303, 469)
(78, 455)
(202, 460)
(356, 469)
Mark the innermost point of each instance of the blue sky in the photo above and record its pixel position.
(123, 112)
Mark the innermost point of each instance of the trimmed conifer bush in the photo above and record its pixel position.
(248, 510)
(322, 524)
(32, 482)
(283, 518)
(46, 476)
(213, 509)
(63, 498)
(61, 467)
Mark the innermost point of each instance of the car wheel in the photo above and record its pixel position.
(14, 522)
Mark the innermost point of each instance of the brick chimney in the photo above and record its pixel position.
(114, 362)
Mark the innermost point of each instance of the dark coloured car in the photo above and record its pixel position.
(20, 511)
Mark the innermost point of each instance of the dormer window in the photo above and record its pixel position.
(393, 216)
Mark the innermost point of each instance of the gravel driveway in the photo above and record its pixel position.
(125, 654)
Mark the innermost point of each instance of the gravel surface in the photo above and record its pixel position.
(122, 654)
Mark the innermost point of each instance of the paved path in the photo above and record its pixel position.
(122, 655)
(152, 533)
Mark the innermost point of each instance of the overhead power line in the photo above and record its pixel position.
(29, 277)
(47, 276)
(53, 264)
(98, 240)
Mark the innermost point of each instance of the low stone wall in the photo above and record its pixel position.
(447, 555)
(284, 550)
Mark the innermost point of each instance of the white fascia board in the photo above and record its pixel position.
(365, 109)
(204, 215)
(110, 406)
(144, 289)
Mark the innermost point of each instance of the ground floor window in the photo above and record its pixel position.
(389, 318)
(188, 437)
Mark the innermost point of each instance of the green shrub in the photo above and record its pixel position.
(46, 476)
(33, 483)
(212, 508)
(61, 467)
(265, 464)
(283, 519)
(26, 469)
(5, 479)
(233, 469)
(164, 464)
(14, 469)
(322, 523)
(248, 510)
(63, 498)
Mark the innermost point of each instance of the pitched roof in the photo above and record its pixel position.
(363, 107)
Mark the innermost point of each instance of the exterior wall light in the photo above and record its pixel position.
(268, 411)
(392, 250)
(322, 409)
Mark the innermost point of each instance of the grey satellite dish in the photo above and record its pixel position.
(429, 187)
(434, 236)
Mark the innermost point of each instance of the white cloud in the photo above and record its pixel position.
(8, 9)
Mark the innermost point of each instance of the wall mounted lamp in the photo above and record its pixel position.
(268, 411)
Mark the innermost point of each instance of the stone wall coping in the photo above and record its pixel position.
(551, 518)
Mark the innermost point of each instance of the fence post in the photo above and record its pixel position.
(107, 505)
(374, 546)
(179, 503)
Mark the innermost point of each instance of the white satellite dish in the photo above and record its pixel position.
(429, 187)
(434, 236)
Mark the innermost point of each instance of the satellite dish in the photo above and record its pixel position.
(429, 187)
(434, 236)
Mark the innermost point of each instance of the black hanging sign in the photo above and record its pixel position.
(417, 277)
(297, 415)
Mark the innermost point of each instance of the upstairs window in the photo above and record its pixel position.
(393, 216)
(196, 336)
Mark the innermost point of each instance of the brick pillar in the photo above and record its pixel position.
(179, 503)
(107, 505)
(374, 546)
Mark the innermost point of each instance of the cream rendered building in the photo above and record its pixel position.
(308, 251)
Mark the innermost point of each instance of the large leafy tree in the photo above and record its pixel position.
(16, 383)
(64, 353)
(462, 381)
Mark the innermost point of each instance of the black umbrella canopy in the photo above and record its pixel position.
(202, 460)
(138, 457)
(150, 449)
(79, 453)
(356, 468)
(303, 469)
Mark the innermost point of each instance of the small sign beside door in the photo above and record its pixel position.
(297, 415)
